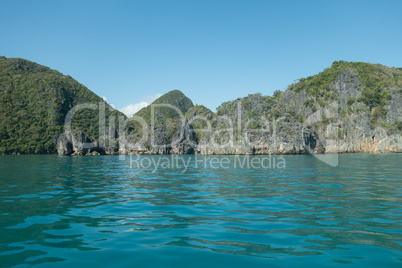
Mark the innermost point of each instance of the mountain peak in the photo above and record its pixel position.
(174, 98)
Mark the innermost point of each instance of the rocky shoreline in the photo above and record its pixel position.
(337, 119)
(350, 107)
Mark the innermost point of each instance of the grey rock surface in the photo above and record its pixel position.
(334, 119)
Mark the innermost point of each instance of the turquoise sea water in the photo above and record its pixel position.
(102, 212)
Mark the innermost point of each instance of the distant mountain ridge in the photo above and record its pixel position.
(349, 107)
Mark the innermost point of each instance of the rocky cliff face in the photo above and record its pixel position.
(359, 126)
(78, 143)
(350, 107)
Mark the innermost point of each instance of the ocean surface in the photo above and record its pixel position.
(200, 211)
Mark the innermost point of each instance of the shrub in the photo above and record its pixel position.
(275, 113)
(376, 114)
(399, 125)
(339, 133)
(277, 93)
(252, 113)
(350, 101)
(374, 97)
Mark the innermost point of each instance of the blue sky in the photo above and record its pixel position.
(213, 51)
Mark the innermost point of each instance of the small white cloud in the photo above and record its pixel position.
(104, 98)
(131, 109)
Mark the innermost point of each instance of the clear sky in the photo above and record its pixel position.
(213, 51)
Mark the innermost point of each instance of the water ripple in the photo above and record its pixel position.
(99, 211)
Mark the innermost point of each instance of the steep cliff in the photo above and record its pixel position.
(349, 107)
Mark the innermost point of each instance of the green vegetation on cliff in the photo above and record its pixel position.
(162, 107)
(165, 112)
(376, 82)
(248, 103)
(374, 79)
(34, 102)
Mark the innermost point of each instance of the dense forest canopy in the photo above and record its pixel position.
(34, 102)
